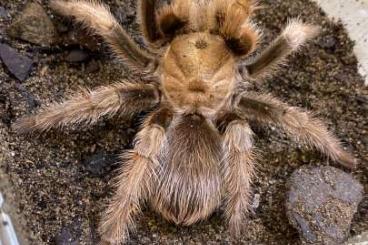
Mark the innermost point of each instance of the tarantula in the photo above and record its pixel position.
(194, 150)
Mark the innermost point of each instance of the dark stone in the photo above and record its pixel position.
(34, 26)
(328, 42)
(6, 112)
(3, 13)
(321, 203)
(77, 55)
(32, 102)
(69, 235)
(99, 164)
(17, 64)
(125, 14)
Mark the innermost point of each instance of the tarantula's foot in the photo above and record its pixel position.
(298, 33)
(347, 159)
(236, 226)
(24, 125)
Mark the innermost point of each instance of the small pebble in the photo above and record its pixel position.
(321, 203)
(19, 65)
(66, 237)
(328, 42)
(98, 164)
(34, 26)
(3, 13)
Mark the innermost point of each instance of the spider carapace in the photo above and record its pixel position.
(194, 151)
(198, 72)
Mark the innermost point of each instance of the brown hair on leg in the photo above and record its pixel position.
(231, 19)
(172, 18)
(297, 123)
(295, 35)
(88, 107)
(237, 169)
(97, 17)
(147, 19)
(137, 176)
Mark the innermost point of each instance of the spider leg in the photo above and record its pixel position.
(147, 19)
(295, 35)
(237, 169)
(99, 19)
(302, 125)
(231, 19)
(89, 106)
(159, 21)
(136, 179)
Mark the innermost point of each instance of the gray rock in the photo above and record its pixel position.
(322, 202)
(32, 102)
(17, 64)
(328, 42)
(34, 26)
(69, 235)
(3, 13)
(100, 163)
(5, 109)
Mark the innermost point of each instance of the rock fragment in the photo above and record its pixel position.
(321, 204)
(328, 42)
(19, 65)
(98, 164)
(69, 235)
(3, 13)
(34, 26)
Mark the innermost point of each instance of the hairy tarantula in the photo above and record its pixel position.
(194, 150)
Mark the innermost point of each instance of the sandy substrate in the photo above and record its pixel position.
(59, 197)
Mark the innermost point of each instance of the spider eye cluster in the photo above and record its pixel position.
(201, 44)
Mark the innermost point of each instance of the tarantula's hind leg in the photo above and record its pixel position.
(237, 169)
(134, 184)
(88, 107)
(295, 35)
(297, 123)
(99, 19)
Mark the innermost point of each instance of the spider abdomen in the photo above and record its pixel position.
(189, 197)
(189, 184)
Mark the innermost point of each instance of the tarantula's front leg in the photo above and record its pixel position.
(237, 169)
(134, 184)
(297, 123)
(89, 106)
(99, 19)
(295, 35)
